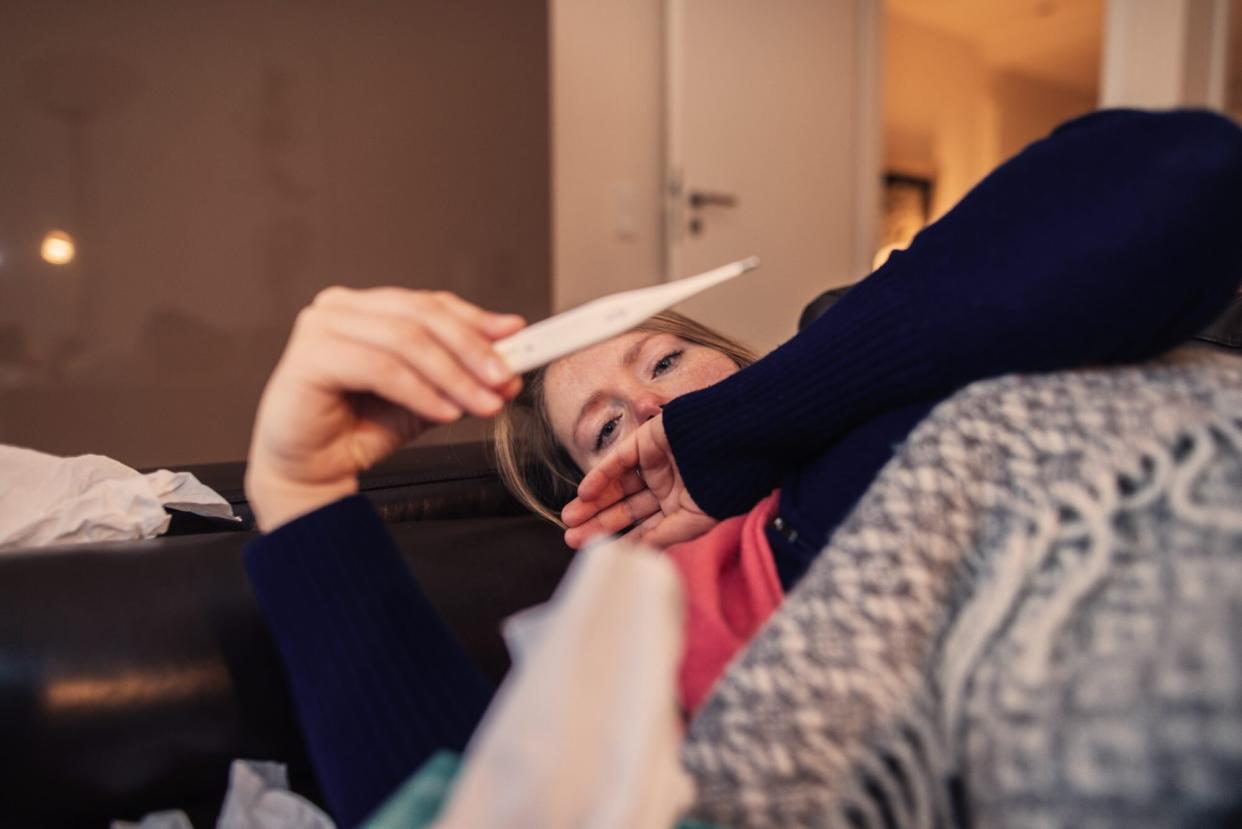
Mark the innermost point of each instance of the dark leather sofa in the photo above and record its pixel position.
(131, 674)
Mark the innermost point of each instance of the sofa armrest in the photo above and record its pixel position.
(455, 480)
(131, 674)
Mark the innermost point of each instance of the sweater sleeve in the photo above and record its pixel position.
(1111, 240)
(378, 681)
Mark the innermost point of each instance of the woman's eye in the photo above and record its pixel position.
(666, 362)
(605, 433)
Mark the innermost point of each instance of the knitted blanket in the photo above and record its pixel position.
(1032, 618)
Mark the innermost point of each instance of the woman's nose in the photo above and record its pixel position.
(648, 406)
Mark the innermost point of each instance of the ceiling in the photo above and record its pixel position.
(1057, 41)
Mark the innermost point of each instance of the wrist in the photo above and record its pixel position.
(276, 500)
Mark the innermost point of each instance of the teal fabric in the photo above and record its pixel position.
(418, 802)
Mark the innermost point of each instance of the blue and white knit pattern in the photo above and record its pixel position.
(1032, 618)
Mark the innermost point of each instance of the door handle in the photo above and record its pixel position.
(700, 198)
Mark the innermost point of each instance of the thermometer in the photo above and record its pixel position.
(600, 319)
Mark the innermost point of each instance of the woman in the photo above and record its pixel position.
(1110, 241)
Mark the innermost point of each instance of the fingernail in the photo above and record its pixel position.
(488, 400)
(495, 370)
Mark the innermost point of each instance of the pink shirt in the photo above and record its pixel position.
(731, 589)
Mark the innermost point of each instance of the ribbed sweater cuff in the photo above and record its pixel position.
(378, 681)
(735, 441)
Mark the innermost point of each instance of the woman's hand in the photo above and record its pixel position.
(637, 483)
(364, 373)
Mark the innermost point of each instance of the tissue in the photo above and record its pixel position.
(45, 499)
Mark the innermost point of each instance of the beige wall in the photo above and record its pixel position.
(607, 146)
(950, 116)
(219, 164)
(1028, 109)
(935, 109)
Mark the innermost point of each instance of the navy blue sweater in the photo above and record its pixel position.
(1112, 240)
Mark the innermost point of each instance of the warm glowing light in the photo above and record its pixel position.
(883, 253)
(58, 248)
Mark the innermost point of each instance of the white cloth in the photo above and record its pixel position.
(585, 731)
(46, 499)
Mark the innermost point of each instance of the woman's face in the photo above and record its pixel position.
(601, 394)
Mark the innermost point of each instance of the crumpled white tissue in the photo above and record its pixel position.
(45, 499)
(585, 730)
(173, 819)
(258, 798)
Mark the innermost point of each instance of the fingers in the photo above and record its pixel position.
(664, 534)
(509, 390)
(473, 350)
(678, 528)
(440, 336)
(646, 450)
(492, 324)
(460, 324)
(404, 302)
(339, 364)
(623, 458)
(416, 347)
(579, 510)
(639, 534)
(635, 508)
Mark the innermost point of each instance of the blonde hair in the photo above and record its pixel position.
(537, 469)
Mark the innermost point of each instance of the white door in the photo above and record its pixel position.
(773, 148)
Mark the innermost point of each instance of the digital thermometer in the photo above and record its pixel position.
(598, 320)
